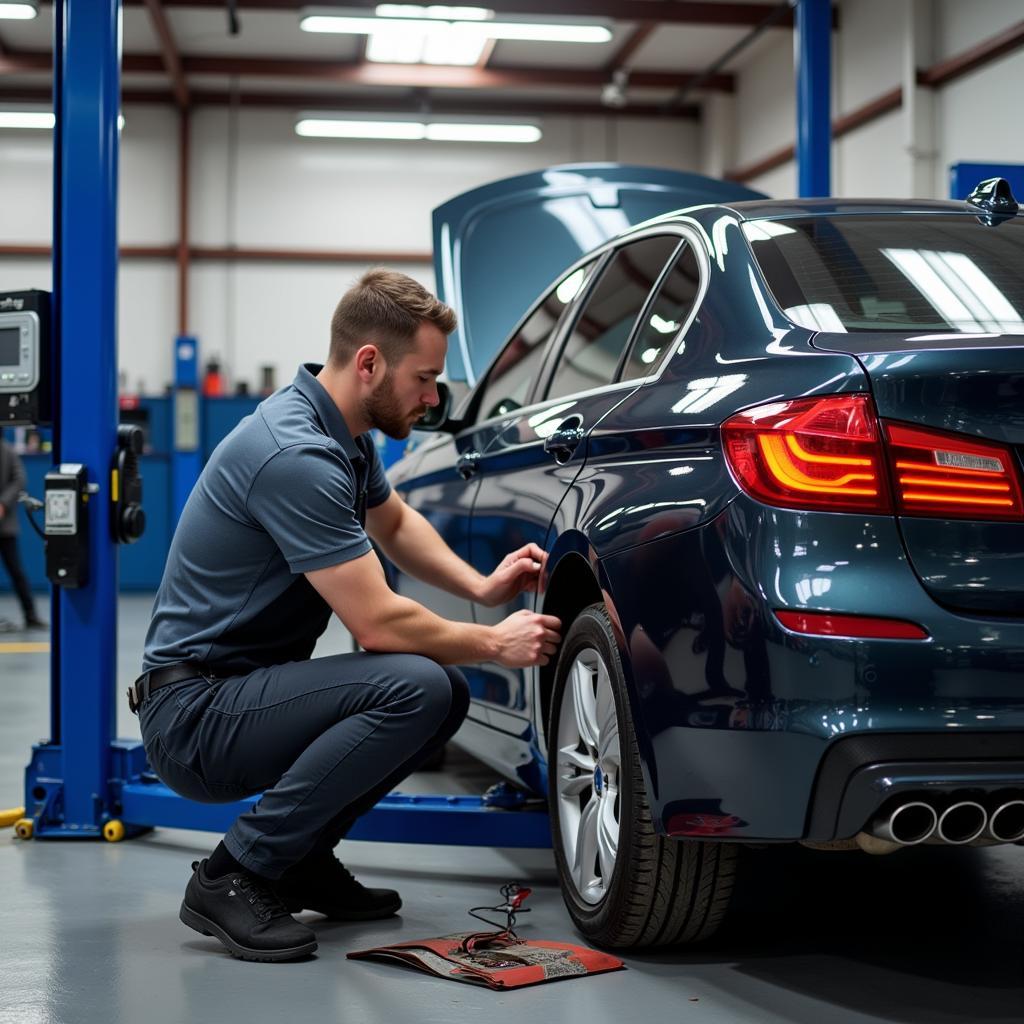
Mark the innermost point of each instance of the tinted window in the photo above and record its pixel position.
(606, 321)
(876, 273)
(665, 316)
(516, 368)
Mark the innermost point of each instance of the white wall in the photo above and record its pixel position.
(255, 184)
(974, 118)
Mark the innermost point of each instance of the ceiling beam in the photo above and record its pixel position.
(625, 53)
(949, 70)
(404, 104)
(680, 12)
(169, 51)
(13, 63)
(439, 105)
(417, 76)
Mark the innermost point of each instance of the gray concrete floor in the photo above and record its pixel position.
(89, 930)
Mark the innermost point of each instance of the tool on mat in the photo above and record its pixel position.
(498, 959)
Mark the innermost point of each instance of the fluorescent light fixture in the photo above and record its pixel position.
(536, 30)
(24, 11)
(36, 119)
(406, 131)
(483, 133)
(315, 128)
(433, 11)
(26, 119)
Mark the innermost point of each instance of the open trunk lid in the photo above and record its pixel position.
(496, 248)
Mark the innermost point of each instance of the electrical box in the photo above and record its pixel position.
(25, 381)
(66, 525)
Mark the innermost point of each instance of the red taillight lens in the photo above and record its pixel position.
(820, 453)
(949, 475)
(867, 626)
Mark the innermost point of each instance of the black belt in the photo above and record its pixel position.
(166, 675)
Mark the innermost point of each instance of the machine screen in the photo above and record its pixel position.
(10, 343)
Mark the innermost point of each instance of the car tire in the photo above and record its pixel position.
(624, 884)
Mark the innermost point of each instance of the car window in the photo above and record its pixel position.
(518, 364)
(664, 316)
(606, 321)
(922, 272)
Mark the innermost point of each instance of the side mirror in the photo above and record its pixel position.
(438, 418)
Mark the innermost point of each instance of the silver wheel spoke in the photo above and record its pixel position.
(586, 848)
(575, 772)
(584, 704)
(607, 838)
(570, 757)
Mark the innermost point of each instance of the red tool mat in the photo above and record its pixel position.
(496, 959)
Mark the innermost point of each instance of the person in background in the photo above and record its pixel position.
(12, 483)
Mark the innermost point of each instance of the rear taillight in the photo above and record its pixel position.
(827, 453)
(816, 453)
(952, 476)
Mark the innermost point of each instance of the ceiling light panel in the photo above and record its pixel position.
(395, 129)
(531, 30)
(24, 11)
(433, 11)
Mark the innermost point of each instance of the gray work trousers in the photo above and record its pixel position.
(323, 740)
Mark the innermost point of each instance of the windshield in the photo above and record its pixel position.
(942, 272)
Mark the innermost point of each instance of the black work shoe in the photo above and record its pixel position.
(245, 915)
(36, 623)
(329, 888)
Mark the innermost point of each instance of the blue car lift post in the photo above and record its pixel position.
(83, 782)
(813, 64)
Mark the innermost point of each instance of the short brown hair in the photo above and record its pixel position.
(384, 308)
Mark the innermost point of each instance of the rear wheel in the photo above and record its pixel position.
(623, 884)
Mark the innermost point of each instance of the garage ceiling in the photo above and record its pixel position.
(666, 53)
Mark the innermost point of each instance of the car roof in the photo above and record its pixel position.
(765, 209)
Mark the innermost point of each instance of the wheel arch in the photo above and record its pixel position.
(572, 586)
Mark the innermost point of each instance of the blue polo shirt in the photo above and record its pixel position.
(284, 493)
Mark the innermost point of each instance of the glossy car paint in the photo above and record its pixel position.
(740, 722)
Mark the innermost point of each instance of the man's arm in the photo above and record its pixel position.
(406, 537)
(382, 620)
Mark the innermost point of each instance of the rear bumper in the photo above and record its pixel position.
(750, 732)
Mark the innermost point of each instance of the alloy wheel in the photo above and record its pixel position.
(588, 776)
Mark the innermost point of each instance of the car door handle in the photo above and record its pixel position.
(468, 464)
(563, 441)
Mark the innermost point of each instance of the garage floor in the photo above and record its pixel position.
(89, 931)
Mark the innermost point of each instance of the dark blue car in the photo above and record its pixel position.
(774, 452)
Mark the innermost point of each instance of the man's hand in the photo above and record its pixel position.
(518, 572)
(527, 638)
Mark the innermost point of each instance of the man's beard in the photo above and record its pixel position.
(384, 411)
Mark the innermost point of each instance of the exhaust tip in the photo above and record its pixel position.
(910, 823)
(1007, 822)
(962, 822)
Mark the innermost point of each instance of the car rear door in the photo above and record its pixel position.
(531, 455)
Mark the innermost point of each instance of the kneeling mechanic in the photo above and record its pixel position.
(272, 540)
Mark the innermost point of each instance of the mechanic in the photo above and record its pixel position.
(272, 540)
(12, 483)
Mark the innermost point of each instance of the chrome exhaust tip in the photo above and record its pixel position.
(961, 823)
(908, 824)
(1007, 822)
